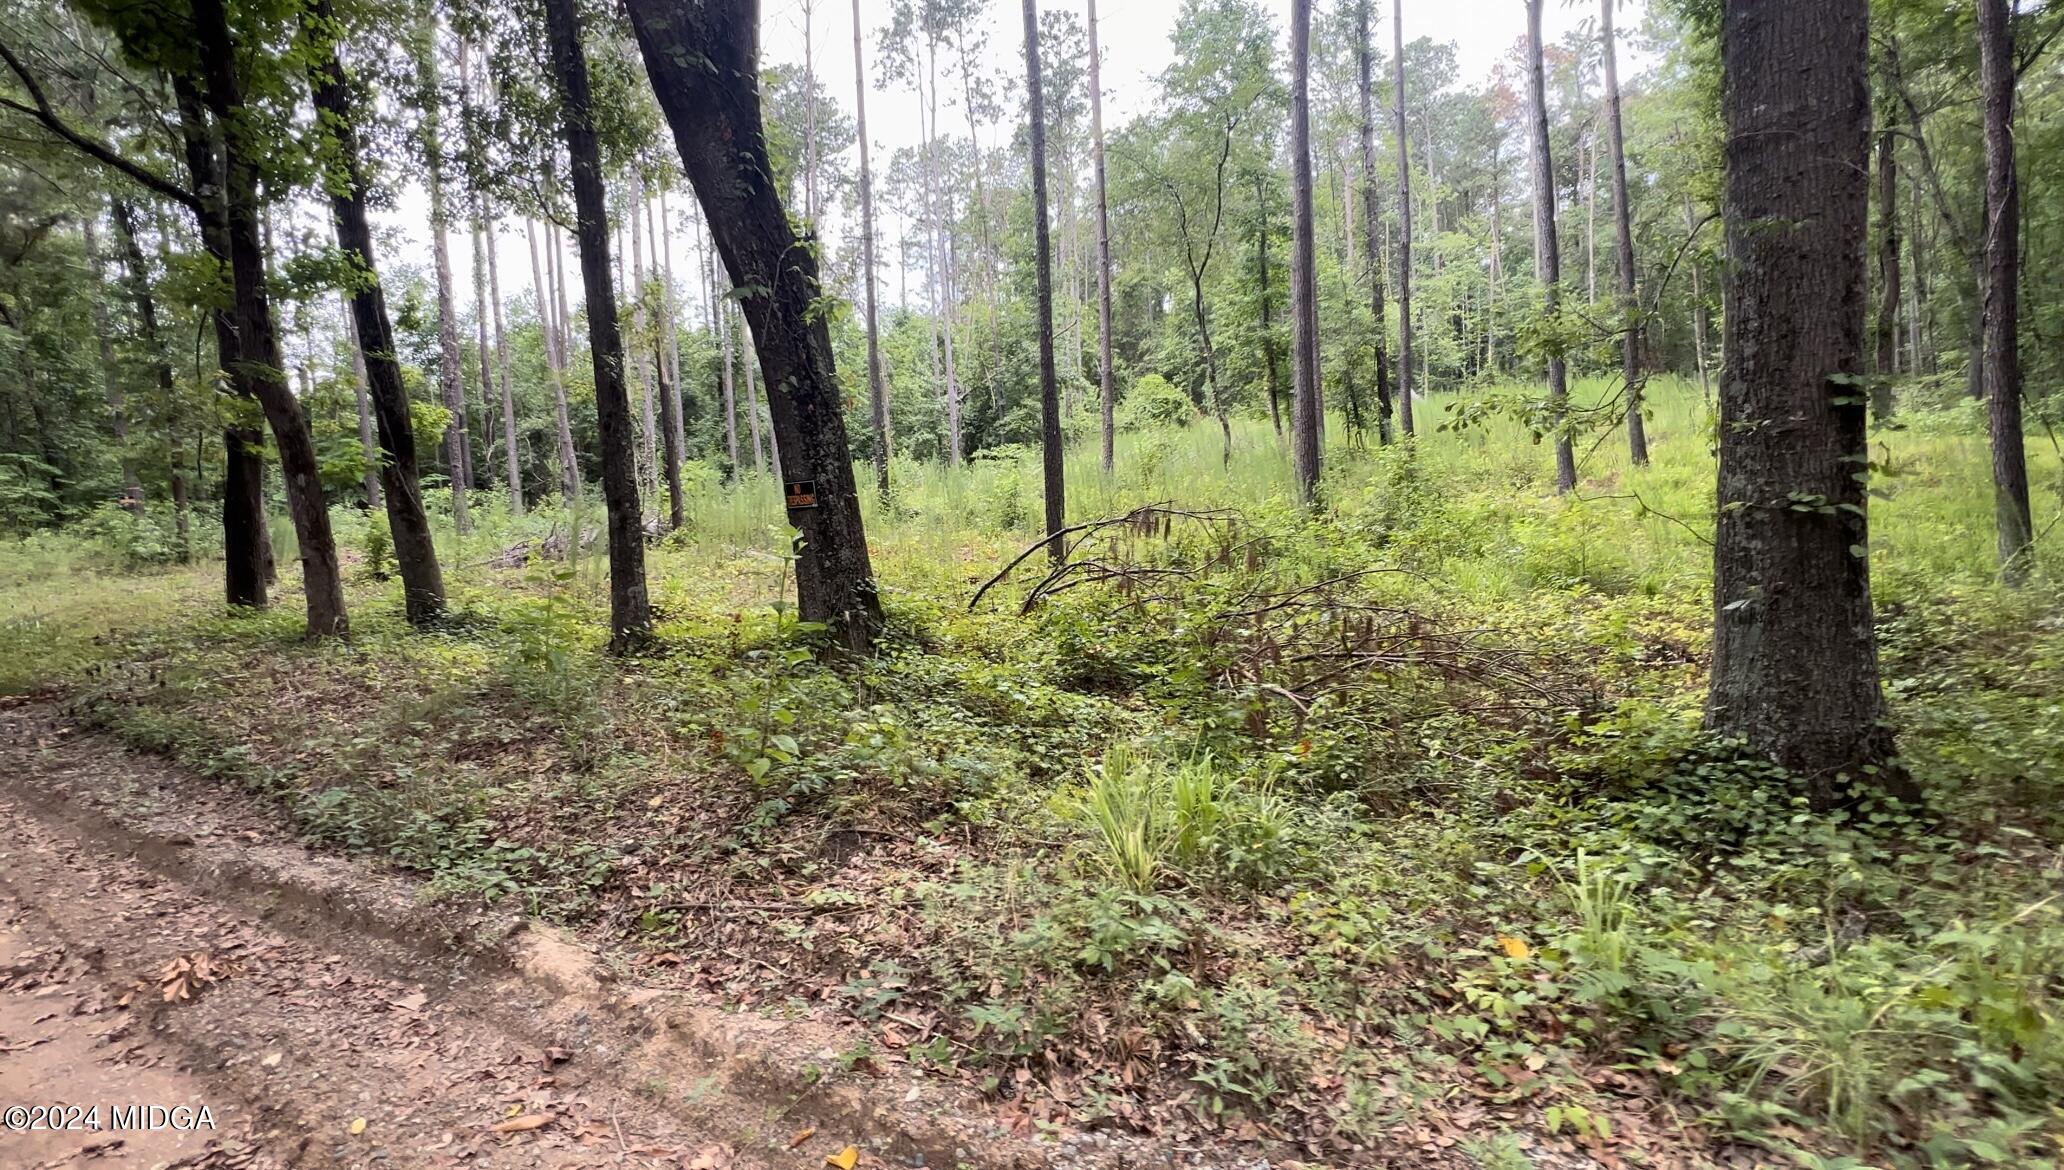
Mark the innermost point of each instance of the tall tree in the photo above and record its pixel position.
(1372, 221)
(555, 370)
(415, 551)
(704, 65)
(137, 275)
(1042, 250)
(1547, 248)
(1107, 392)
(458, 448)
(322, 578)
(877, 392)
(630, 609)
(1623, 228)
(1998, 70)
(1795, 661)
(1886, 332)
(1305, 403)
(1404, 179)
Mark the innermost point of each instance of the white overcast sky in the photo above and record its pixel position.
(1135, 39)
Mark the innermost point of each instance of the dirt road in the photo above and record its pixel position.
(121, 988)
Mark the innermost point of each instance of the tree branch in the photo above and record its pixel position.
(45, 114)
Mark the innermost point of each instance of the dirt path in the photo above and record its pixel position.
(119, 987)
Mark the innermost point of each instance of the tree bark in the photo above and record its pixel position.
(1795, 662)
(2011, 518)
(630, 610)
(415, 551)
(1404, 180)
(704, 64)
(1372, 218)
(243, 490)
(1305, 408)
(1042, 247)
(1548, 248)
(877, 392)
(258, 351)
(1623, 229)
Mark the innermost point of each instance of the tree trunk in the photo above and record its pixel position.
(1698, 310)
(512, 463)
(555, 365)
(648, 449)
(138, 279)
(244, 545)
(1270, 356)
(720, 309)
(458, 448)
(666, 364)
(877, 392)
(1404, 180)
(630, 611)
(1105, 380)
(1042, 248)
(111, 378)
(415, 552)
(321, 579)
(1623, 229)
(1889, 293)
(704, 63)
(1795, 663)
(1306, 453)
(368, 445)
(1548, 248)
(2011, 516)
(752, 415)
(1372, 217)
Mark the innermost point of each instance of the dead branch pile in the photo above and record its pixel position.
(1291, 642)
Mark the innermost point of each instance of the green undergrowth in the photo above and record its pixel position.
(1347, 830)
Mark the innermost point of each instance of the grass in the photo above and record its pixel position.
(1132, 859)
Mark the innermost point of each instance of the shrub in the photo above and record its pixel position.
(1153, 405)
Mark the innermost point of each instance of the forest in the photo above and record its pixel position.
(1316, 605)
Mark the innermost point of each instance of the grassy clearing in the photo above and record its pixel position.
(1164, 857)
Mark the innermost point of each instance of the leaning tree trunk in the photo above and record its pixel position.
(1042, 247)
(415, 549)
(1795, 661)
(1547, 248)
(1372, 222)
(1404, 186)
(1304, 285)
(877, 391)
(1105, 381)
(2011, 517)
(321, 576)
(630, 610)
(1623, 227)
(704, 64)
